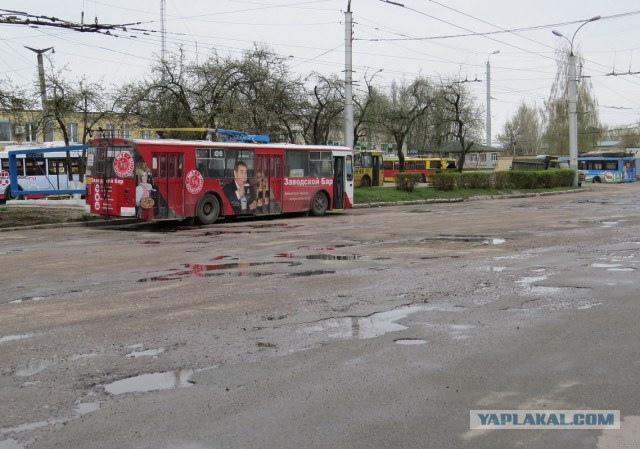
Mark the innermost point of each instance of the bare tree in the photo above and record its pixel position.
(397, 112)
(364, 122)
(521, 134)
(320, 113)
(463, 117)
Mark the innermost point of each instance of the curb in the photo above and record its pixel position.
(77, 224)
(459, 200)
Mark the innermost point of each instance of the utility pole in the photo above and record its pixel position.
(43, 87)
(348, 79)
(488, 137)
(163, 20)
(573, 100)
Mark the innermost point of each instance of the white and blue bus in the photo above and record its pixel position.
(41, 170)
(609, 167)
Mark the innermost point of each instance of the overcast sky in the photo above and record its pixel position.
(450, 39)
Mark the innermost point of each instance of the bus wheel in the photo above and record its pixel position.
(366, 182)
(208, 209)
(8, 195)
(319, 205)
(597, 180)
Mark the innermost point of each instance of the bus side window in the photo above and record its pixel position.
(35, 166)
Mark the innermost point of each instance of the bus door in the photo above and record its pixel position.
(338, 182)
(168, 184)
(269, 184)
(275, 182)
(377, 163)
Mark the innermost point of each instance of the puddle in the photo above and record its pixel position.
(541, 290)
(205, 270)
(87, 407)
(608, 224)
(494, 241)
(276, 225)
(364, 327)
(311, 273)
(25, 427)
(320, 256)
(461, 327)
(531, 279)
(332, 257)
(234, 231)
(21, 300)
(326, 248)
(409, 341)
(10, 444)
(376, 324)
(621, 269)
(9, 251)
(169, 380)
(150, 242)
(33, 367)
(15, 337)
(587, 305)
(147, 353)
(605, 265)
(496, 269)
(75, 357)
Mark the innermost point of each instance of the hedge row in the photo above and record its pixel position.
(513, 179)
(407, 181)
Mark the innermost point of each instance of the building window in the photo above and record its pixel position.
(49, 132)
(110, 131)
(126, 131)
(5, 131)
(72, 131)
(31, 132)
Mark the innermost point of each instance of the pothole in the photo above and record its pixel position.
(168, 380)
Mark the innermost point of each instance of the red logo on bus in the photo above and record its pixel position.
(194, 181)
(123, 165)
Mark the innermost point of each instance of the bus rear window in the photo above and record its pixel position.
(100, 160)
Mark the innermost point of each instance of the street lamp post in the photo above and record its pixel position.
(43, 90)
(348, 79)
(43, 87)
(573, 115)
(488, 137)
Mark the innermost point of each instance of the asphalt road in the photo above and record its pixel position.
(373, 328)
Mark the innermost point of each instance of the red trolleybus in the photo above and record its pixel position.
(175, 179)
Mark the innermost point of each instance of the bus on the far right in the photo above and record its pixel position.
(609, 166)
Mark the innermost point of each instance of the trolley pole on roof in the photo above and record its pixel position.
(348, 79)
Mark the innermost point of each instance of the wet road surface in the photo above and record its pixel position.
(372, 328)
